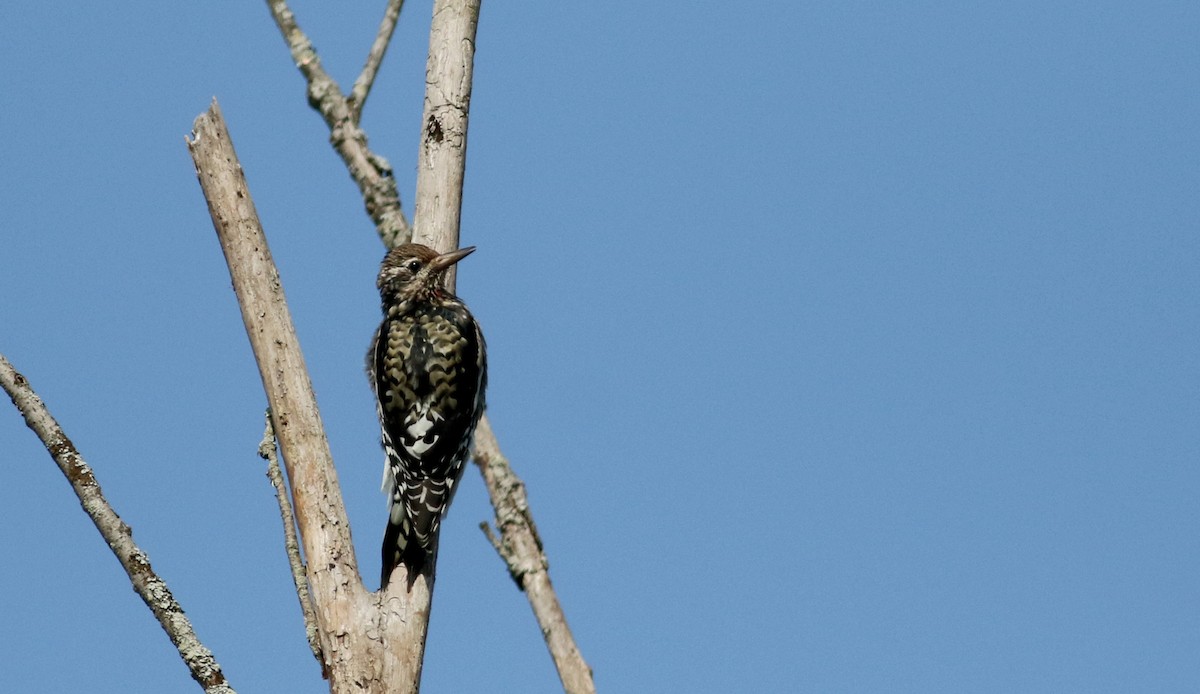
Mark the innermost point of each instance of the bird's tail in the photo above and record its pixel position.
(411, 536)
(408, 543)
(400, 547)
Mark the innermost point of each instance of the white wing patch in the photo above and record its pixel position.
(418, 441)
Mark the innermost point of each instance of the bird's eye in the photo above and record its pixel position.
(413, 266)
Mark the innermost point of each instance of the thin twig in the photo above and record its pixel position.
(362, 85)
(370, 171)
(266, 451)
(521, 549)
(119, 536)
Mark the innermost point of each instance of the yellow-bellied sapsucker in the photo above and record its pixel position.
(428, 366)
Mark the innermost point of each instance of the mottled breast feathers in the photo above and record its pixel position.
(429, 398)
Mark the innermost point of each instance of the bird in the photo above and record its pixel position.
(428, 367)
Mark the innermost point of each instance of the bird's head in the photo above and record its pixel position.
(412, 270)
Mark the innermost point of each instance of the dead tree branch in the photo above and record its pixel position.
(152, 589)
(362, 85)
(266, 451)
(365, 649)
(521, 549)
(370, 171)
(442, 158)
(440, 172)
(451, 29)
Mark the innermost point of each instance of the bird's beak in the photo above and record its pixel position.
(445, 260)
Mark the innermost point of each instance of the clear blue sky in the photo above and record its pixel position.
(844, 347)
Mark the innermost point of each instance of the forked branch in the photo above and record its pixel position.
(440, 173)
(370, 171)
(362, 85)
(365, 649)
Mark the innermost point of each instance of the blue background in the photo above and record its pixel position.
(844, 346)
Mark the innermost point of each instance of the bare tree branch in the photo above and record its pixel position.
(442, 159)
(347, 616)
(152, 589)
(266, 451)
(521, 549)
(451, 29)
(362, 85)
(370, 171)
(369, 642)
(440, 172)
